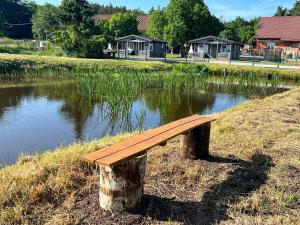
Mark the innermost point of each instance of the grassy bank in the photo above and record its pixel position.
(253, 177)
(14, 64)
(18, 65)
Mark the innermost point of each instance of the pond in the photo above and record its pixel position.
(39, 118)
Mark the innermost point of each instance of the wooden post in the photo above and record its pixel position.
(126, 51)
(122, 184)
(118, 50)
(195, 144)
(230, 54)
(147, 50)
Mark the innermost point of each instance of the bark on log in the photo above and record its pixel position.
(195, 144)
(122, 184)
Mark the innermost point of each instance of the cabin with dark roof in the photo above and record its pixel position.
(141, 46)
(214, 47)
(279, 33)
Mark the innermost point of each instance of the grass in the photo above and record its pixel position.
(21, 65)
(253, 178)
(28, 47)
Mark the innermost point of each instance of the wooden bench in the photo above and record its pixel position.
(122, 165)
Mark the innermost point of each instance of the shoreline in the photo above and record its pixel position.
(259, 135)
(20, 64)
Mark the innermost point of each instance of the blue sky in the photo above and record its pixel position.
(228, 9)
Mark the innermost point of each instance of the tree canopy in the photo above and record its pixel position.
(45, 21)
(157, 23)
(294, 11)
(78, 34)
(182, 21)
(16, 17)
(122, 24)
(241, 30)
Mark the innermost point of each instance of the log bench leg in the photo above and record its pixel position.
(122, 184)
(195, 144)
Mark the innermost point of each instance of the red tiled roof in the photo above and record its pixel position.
(142, 20)
(285, 28)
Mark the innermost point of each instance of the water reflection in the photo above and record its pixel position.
(43, 117)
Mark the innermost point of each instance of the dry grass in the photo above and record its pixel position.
(253, 178)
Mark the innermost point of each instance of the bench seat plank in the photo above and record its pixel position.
(102, 153)
(153, 141)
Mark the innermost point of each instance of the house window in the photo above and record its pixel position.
(151, 47)
(270, 45)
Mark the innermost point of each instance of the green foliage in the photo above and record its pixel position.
(240, 30)
(1, 24)
(157, 23)
(76, 34)
(295, 11)
(123, 24)
(45, 21)
(110, 9)
(17, 12)
(281, 11)
(189, 19)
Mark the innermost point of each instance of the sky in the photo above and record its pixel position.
(225, 9)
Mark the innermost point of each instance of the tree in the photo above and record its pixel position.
(110, 9)
(281, 11)
(157, 23)
(17, 16)
(123, 24)
(295, 11)
(241, 30)
(45, 21)
(189, 19)
(77, 32)
(1, 24)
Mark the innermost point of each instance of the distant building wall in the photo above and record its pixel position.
(287, 46)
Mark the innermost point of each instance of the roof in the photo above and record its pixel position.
(141, 19)
(213, 39)
(139, 37)
(285, 28)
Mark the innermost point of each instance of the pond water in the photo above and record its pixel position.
(39, 118)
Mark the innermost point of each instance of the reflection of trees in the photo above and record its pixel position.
(73, 108)
(174, 105)
(11, 97)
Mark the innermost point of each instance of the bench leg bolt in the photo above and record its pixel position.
(122, 184)
(195, 144)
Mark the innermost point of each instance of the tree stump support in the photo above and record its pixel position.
(195, 143)
(122, 184)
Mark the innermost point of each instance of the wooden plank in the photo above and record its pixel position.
(155, 140)
(92, 157)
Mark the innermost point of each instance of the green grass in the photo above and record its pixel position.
(28, 47)
(22, 64)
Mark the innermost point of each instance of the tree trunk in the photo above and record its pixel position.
(195, 144)
(122, 184)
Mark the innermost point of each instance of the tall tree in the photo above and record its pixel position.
(189, 19)
(1, 24)
(17, 16)
(78, 33)
(45, 21)
(157, 23)
(123, 24)
(295, 11)
(110, 9)
(241, 30)
(281, 11)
